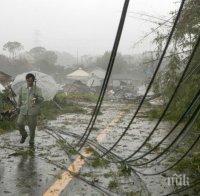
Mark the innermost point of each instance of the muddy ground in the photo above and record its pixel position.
(32, 172)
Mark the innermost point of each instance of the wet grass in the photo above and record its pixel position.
(108, 175)
(113, 184)
(155, 112)
(89, 174)
(65, 146)
(6, 125)
(50, 111)
(124, 170)
(87, 97)
(28, 152)
(98, 162)
(72, 151)
(133, 193)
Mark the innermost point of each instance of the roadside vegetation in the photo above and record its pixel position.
(185, 38)
(87, 97)
(49, 111)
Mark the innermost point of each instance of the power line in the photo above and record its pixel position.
(177, 162)
(193, 184)
(187, 126)
(151, 32)
(183, 52)
(152, 79)
(148, 20)
(193, 102)
(150, 16)
(171, 98)
(108, 73)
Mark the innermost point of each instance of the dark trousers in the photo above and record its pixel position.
(31, 122)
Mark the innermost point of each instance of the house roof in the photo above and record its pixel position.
(122, 77)
(4, 78)
(78, 73)
(128, 76)
(4, 74)
(1, 88)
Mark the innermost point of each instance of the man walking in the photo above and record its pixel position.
(30, 99)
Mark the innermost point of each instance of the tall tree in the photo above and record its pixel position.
(186, 34)
(120, 65)
(13, 48)
(44, 60)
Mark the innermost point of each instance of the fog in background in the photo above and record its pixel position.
(87, 25)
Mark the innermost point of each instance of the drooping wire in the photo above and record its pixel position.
(152, 79)
(195, 115)
(171, 98)
(75, 175)
(185, 128)
(109, 70)
(193, 102)
(193, 184)
(168, 56)
(176, 163)
(151, 32)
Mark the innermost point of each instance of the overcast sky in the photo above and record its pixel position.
(89, 25)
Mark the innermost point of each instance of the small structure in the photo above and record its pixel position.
(1, 88)
(97, 72)
(96, 77)
(76, 87)
(5, 78)
(119, 80)
(142, 89)
(78, 75)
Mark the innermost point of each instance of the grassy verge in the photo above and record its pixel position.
(49, 111)
(190, 165)
(87, 97)
(6, 125)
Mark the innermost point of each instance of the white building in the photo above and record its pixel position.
(98, 72)
(142, 89)
(92, 77)
(79, 74)
(96, 77)
(1, 88)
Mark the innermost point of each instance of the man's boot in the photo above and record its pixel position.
(23, 139)
(31, 143)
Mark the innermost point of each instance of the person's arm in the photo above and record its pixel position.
(19, 102)
(39, 97)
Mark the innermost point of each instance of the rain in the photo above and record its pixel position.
(99, 97)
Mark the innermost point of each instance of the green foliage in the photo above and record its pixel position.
(189, 23)
(87, 97)
(124, 170)
(7, 125)
(108, 175)
(168, 79)
(13, 48)
(155, 112)
(99, 162)
(50, 111)
(44, 60)
(72, 151)
(193, 162)
(185, 37)
(113, 184)
(120, 64)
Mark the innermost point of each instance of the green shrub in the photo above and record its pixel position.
(87, 97)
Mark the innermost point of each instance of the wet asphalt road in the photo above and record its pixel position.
(25, 172)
